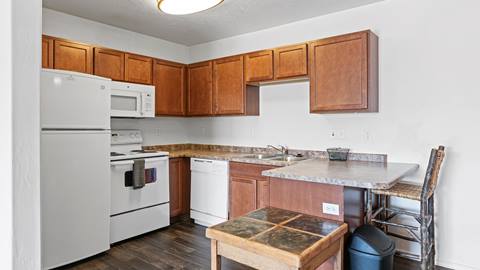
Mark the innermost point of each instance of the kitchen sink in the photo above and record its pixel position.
(261, 156)
(276, 157)
(287, 158)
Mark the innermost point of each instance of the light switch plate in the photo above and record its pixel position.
(331, 209)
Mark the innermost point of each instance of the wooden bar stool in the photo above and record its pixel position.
(425, 232)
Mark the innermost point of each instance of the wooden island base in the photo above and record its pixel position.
(277, 239)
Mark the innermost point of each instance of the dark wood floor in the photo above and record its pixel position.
(181, 246)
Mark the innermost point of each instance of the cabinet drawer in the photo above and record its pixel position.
(249, 170)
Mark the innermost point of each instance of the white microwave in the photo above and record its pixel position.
(132, 100)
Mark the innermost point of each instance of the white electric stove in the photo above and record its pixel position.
(135, 211)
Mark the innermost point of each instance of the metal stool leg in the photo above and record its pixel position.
(369, 206)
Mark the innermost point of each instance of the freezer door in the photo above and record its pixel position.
(75, 195)
(71, 100)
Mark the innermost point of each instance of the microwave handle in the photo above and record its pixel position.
(144, 104)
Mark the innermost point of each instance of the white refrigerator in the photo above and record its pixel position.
(75, 169)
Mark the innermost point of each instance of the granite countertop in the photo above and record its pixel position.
(361, 170)
(242, 153)
(229, 156)
(360, 174)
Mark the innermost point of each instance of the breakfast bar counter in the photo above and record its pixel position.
(358, 174)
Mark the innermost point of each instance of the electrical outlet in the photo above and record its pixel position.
(337, 135)
(331, 209)
(366, 136)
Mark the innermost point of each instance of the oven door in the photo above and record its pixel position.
(125, 198)
(126, 103)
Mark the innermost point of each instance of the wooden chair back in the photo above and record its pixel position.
(433, 171)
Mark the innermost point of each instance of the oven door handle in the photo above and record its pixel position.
(130, 161)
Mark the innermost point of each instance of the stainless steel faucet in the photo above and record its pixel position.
(281, 148)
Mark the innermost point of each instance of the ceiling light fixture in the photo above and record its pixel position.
(183, 7)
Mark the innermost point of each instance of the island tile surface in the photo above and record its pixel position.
(292, 232)
(360, 174)
(242, 227)
(286, 239)
(272, 215)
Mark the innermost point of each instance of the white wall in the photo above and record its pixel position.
(26, 54)
(429, 95)
(6, 192)
(62, 25)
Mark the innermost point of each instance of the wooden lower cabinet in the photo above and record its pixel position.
(243, 196)
(249, 190)
(179, 170)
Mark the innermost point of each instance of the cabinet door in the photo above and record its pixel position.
(228, 86)
(243, 198)
(73, 56)
(340, 78)
(259, 66)
(138, 69)
(109, 63)
(291, 61)
(200, 96)
(47, 52)
(179, 187)
(263, 193)
(169, 81)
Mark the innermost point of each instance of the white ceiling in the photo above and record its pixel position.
(232, 17)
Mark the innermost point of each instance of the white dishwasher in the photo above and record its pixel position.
(209, 191)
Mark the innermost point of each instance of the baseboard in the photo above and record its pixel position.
(455, 266)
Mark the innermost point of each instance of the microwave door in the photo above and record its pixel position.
(126, 104)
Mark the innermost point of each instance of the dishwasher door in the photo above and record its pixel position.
(209, 190)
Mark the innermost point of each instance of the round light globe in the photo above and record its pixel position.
(183, 7)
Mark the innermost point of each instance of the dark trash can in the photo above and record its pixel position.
(370, 249)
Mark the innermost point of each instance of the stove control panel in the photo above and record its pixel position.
(126, 136)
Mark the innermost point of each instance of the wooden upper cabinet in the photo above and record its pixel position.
(73, 56)
(138, 69)
(344, 73)
(47, 52)
(228, 86)
(169, 81)
(290, 62)
(200, 95)
(259, 66)
(109, 63)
